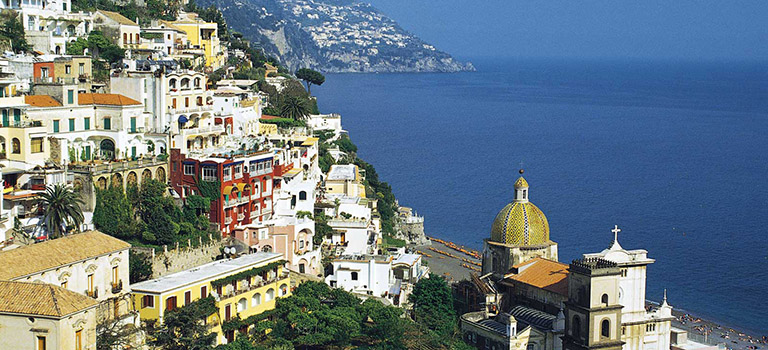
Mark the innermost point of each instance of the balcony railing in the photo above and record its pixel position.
(24, 124)
(252, 286)
(138, 130)
(228, 220)
(92, 293)
(254, 214)
(117, 287)
(203, 130)
(240, 217)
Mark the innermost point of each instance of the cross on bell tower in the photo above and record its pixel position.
(616, 231)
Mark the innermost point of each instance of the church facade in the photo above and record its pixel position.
(534, 302)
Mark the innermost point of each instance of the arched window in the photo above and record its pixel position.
(302, 195)
(605, 328)
(270, 294)
(15, 146)
(283, 290)
(125, 38)
(576, 327)
(354, 276)
(241, 305)
(185, 83)
(199, 100)
(197, 82)
(604, 299)
(525, 193)
(256, 299)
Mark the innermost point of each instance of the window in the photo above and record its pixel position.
(226, 173)
(302, 268)
(623, 330)
(44, 72)
(87, 123)
(237, 170)
(148, 301)
(604, 299)
(624, 272)
(576, 327)
(203, 291)
(81, 69)
(186, 102)
(115, 275)
(651, 327)
(71, 124)
(209, 173)
(79, 339)
(605, 329)
(187, 297)
(227, 312)
(64, 6)
(90, 283)
(241, 305)
(302, 195)
(256, 299)
(172, 84)
(270, 294)
(301, 244)
(173, 103)
(64, 284)
(68, 70)
(283, 290)
(107, 123)
(37, 145)
(354, 276)
(170, 303)
(525, 193)
(133, 124)
(40, 342)
(189, 169)
(6, 120)
(55, 125)
(125, 38)
(87, 152)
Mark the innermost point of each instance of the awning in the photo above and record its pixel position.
(241, 186)
(228, 190)
(183, 119)
(8, 171)
(310, 141)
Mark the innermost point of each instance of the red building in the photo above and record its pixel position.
(244, 183)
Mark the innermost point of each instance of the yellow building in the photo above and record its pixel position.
(204, 36)
(243, 287)
(345, 179)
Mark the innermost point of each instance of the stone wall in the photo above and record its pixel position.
(412, 232)
(180, 257)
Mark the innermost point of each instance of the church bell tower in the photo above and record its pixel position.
(593, 312)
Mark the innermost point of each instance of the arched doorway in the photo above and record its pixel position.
(132, 178)
(160, 174)
(117, 180)
(107, 149)
(146, 175)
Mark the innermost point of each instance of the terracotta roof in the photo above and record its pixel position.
(41, 299)
(41, 101)
(31, 259)
(268, 117)
(118, 18)
(106, 99)
(542, 273)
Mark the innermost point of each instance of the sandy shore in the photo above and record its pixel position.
(455, 266)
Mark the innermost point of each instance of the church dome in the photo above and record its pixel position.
(520, 223)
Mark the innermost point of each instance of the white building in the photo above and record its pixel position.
(640, 329)
(50, 25)
(382, 276)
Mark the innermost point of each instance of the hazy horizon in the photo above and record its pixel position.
(589, 30)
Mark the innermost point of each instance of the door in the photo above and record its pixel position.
(187, 298)
(17, 115)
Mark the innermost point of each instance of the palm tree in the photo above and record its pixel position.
(293, 107)
(62, 209)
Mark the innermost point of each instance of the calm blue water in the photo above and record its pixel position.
(675, 154)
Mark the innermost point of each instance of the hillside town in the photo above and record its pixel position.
(168, 186)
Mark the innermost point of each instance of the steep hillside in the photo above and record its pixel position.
(333, 36)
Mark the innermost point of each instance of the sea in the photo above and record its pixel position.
(674, 153)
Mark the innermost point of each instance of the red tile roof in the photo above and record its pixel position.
(41, 101)
(106, 99)
(268, 117)
(544, 274)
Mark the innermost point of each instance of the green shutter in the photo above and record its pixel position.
(107, 123)
(87, 124)
(71, 125)
(17, 116)
(55, 126)
(88, 152)
(133, 151)
(133, 124)
(6, 122)
(70, 95)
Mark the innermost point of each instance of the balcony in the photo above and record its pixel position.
(24, 124)
(254, 214)
(240, 217)
(139, 130)
(117, 287)
(92, 293)
(251, 287)
(215, 129)
(228, 220)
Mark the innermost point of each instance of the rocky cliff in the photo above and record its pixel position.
(333, 36)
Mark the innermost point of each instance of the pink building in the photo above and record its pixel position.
(292, 239)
